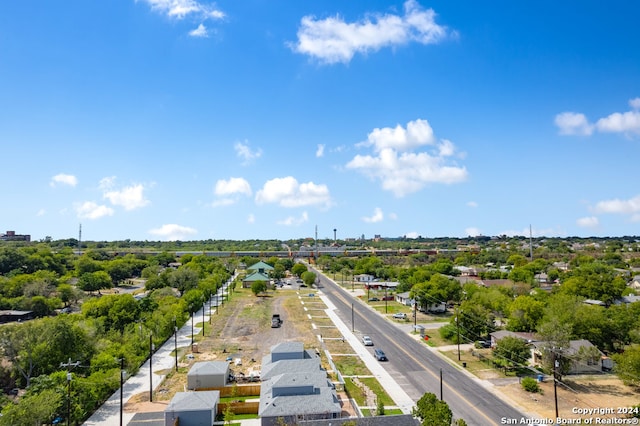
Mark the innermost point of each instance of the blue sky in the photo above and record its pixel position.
(189, 120)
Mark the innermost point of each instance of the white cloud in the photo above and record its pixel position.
(472, 232)
(63, 179)
(91, 210)
(412, 235)
(232, 186)
(617, 206)
(320, 151)
(333, 40)
(173, 232)
(417, 133)
(251, 218)
(588, 222)
(572, 123)
(393, 216)
(378, 216)
(201, 31)
(472, 204)
(287, 192)
(401, 170)
(129, 197)
(627, 122)
(244, 151)
(41, 212)
(295, 221)
(182, 8)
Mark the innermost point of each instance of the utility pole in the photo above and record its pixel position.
(352, 322)
(385, 298)
(69, 365)
(458, 331)
(555, 372)
(151, 367)
(441, 385)
(203, 305)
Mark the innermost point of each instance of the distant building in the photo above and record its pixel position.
(12, 236)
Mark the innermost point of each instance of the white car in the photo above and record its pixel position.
(400, 315)
(366, 340)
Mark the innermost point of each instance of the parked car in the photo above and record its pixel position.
(380, 355)
(387, 298)
(374, 299)
(400, 315)
(366, 340)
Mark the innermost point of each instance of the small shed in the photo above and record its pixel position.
(192, 409)
(208, 375)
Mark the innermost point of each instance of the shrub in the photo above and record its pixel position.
(530, 384)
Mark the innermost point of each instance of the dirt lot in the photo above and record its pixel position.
(241, 330)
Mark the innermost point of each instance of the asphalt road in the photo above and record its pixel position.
(414, 367)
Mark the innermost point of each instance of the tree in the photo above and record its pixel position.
(66, 293)
(184, 279)
(309, 278)
(627, 365)
(432, 412)
(258, 287)
(524, 314)
(298, 269)
(94, 281)
(33, 409)
(512, 351)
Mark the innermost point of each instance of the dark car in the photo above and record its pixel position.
(380, 356)
(374, 299)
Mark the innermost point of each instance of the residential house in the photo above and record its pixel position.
(404, 299)
(583, 356)
(496, 336)
(363, 278)
(295, 387)
(208, 375)
(192, 408)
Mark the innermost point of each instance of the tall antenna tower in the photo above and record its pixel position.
(79, 239)
(530, 243)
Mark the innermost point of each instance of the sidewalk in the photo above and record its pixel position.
(163, 359)
(399, 396)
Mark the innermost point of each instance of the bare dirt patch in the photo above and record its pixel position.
(580, 392)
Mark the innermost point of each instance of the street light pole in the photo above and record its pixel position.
(121, 386)
(175, 341)
(192, 331)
